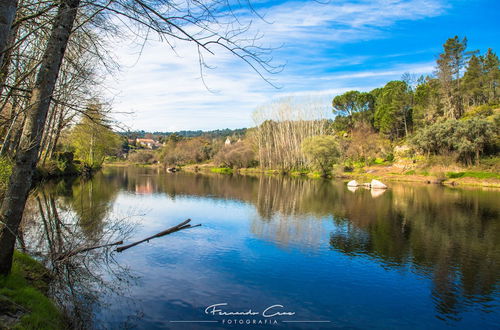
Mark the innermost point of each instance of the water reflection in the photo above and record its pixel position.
(63, 217)
(449, 236)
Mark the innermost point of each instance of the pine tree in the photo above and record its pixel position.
(450, 64)
(491, 69)
(472, 84)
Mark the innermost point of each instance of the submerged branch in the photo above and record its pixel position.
(81, 250)
(181, 226)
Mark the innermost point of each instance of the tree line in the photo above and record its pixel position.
(454, 113)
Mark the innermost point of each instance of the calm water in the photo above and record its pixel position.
(416, 256)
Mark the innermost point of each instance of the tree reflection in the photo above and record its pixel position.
(62, 217)
(451, 236)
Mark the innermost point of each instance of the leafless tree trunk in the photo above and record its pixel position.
(7, 13)
(26, 157)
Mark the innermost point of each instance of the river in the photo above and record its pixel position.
(281, 252)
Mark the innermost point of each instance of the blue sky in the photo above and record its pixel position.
(328, 47)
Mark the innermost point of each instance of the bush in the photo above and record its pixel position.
(187, 151)
(467, 139)
(365, 145)
(322, 151)
(142, 157)
(238, 155)
(65, 163)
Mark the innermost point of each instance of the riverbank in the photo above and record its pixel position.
(437, 175)
(24, 303)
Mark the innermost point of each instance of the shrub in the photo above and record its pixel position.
(365, 145)
(187, 151)
(467, 139)
(142, 157)
(238, 155)
(322, 151)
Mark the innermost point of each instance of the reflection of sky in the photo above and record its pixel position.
(226, 261)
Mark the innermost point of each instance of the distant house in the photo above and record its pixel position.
(147, 143)
(228, 141)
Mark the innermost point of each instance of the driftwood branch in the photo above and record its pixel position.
(81, 250)
(181, 226)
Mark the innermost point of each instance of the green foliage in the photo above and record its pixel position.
(468, 139)
(393, 110)
(93, 140)
(322, 151)
(389, 157)
(352, 106)
(482, 111)
(450, 63)
(25, 286)
(5, 172)
(352, 102)
(427, 107)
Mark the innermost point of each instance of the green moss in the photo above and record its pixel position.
(5, 171)
(24, 290)
(412, 172)
(222, 170)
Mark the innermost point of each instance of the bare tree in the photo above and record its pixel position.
(207, 24)
(282, 126)
(26, 157)
(7, 14)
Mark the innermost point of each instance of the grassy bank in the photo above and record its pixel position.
(23, 300)
(383, 172)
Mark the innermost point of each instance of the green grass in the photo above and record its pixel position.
(222, 170)
(478, 175)
(25, 286)
(412, 172)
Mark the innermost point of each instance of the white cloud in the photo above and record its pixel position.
(165, 91)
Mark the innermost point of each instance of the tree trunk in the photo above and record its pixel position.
(8, 10)
(25, 161)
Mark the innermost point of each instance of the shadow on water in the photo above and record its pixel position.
(450, 236)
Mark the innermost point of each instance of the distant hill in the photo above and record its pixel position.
(219, 133)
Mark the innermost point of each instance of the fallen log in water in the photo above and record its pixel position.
(85, 249)
(181, 226)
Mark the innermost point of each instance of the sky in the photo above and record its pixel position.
(326, 48)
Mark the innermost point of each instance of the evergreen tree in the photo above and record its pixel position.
(472, 84)
(428, 106)
(393, 109)
(355, 106)
(450, 64)
(491, 65)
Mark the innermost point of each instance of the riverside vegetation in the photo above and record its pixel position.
(54, 59)
(436, 128)
(432, 128)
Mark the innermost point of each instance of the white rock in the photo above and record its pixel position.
(353, 183)
(375, 184)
